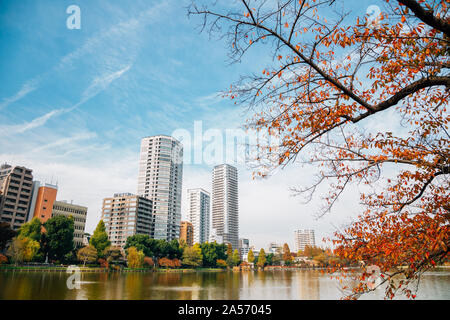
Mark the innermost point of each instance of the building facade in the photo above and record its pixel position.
(44, 200)
(225, 211)
(275, 248)
(160, 180)
(199, 213)
(303, 238)
(187, 233)
(15, 185)
(78, 213)
(214, 237)
(244, 248)
(125, 215)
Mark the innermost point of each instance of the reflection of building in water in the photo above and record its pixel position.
(308, 285)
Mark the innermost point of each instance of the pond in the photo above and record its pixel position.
(250, 285)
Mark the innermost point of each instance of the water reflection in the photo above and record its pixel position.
(264, 285)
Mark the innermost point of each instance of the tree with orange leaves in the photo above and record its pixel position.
(330, 78)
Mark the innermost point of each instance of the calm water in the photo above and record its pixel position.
(265, 285)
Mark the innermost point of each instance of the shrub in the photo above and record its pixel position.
(176, 263)
(165, 262)
(3, 259)
(221, 263)
(103, 263)
(148, 262)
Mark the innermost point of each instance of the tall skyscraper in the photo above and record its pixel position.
(199, 208)
(78, 213)
(46, 196)
(160, 180)
(125, 215)
(303, 238)
(225, 215)
(15, 185)
(187, 233)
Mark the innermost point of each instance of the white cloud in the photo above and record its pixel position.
(7, 130)
(27, 87)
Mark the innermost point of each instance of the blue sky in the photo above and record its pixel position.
(74, 104)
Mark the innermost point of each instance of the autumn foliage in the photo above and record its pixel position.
(148, 262)
(3, 259)
(365, 100)
(169, 263)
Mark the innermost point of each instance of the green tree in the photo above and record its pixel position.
(192, 256)
(100, 238)
(23, 249)
(31, 229)
(261, 258)
(174, 250)
(142, 242)
(113, 254)
(87, 254)
(6, 234)
(211, 252)
(58, 237)
(251, 256)
(135, 258)
(236, 257)
(269, 259)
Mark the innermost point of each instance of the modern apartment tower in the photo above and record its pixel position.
(225, 215)
(160, 180)
(78, 214)
(125, 215)
(199, 208)
(15, 186)
(303, 238)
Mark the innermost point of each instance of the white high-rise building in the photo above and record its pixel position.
(225, 214)
(199, 208)
(214, 237)
(303, 238)
(160, 180)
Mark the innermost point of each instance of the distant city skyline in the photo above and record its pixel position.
(74, 105)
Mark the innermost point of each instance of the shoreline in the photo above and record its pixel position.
(162, 270)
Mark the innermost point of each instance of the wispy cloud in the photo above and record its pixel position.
(116, 43)
(7, 130)
(66, 141)
(97, 85)
(27, 87)
(102, 82)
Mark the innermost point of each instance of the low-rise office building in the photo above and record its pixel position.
(125, 215)
(78, 214)
(15, 185)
